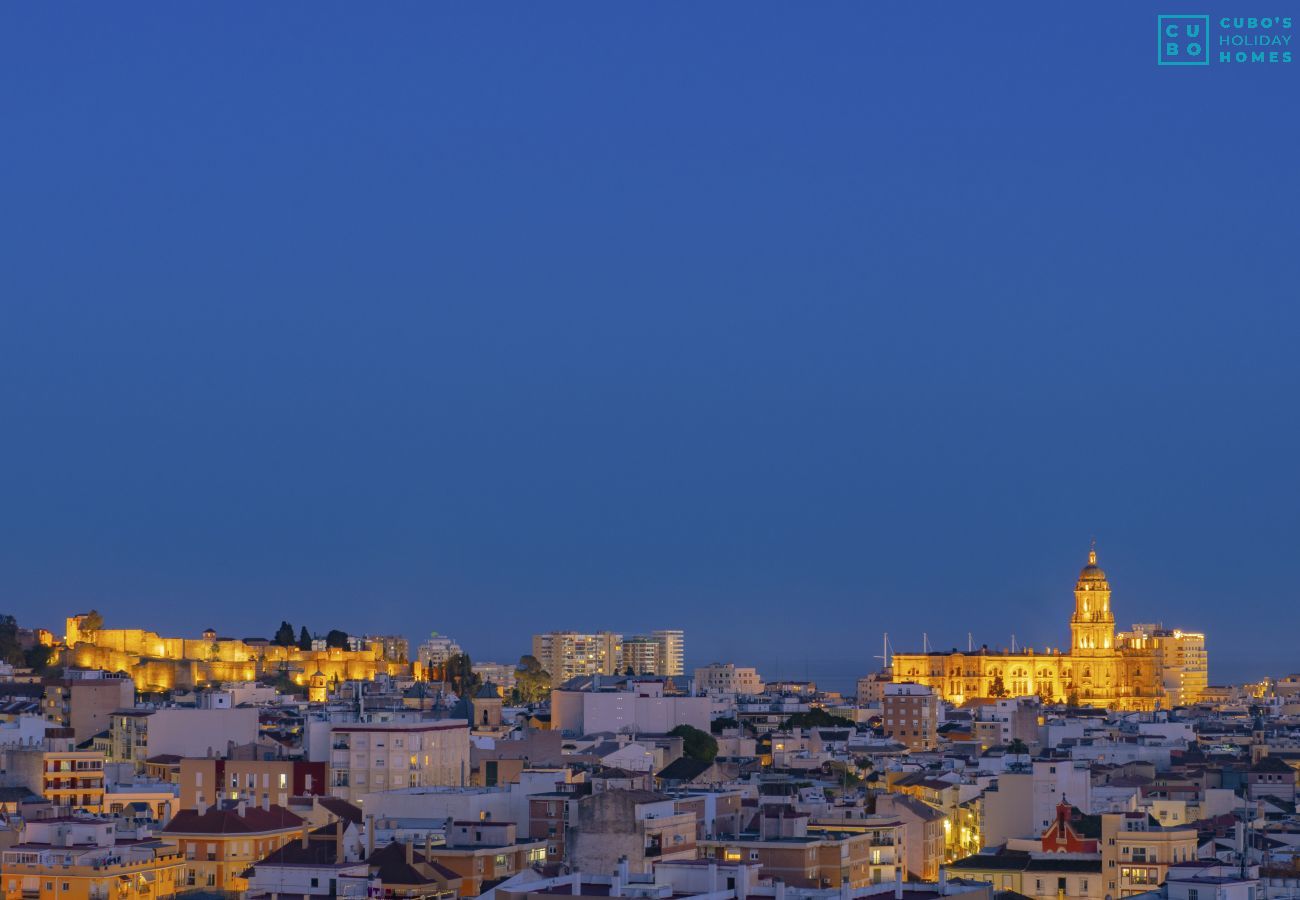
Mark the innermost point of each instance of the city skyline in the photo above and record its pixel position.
(855, 321)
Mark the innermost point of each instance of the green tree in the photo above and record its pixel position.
(532, 682)
(816, 718)
(10, 650)
(695, 743)
(283, 635)
(717, 726)
(304, 639)
(997, 688)
(1018, 747)
(38, 658)
(459, 673)
(91, 622)
(336, 638)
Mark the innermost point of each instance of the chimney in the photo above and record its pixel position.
(575, 887)
(240, 808)
(339, 852)
(306, 836)
(200, 807)
(266, 802)
(778, 885)
(370, 835)
(428, 846)
(898, 882)
(410, 852)
(616, 885)
(943, 880)
(623, 869)
(713, 877)
(846, 887)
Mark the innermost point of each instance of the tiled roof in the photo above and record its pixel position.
(227, 820)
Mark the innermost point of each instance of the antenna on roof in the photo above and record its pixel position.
(884, 656)
(970, 642)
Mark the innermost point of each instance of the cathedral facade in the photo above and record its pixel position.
(1142, 669)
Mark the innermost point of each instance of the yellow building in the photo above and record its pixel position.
(161, 663)
(68, 778)
(71, 858)
(1133, 670)
(219, 843)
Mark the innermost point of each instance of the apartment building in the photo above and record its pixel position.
(205, 780)
(1136, 852)
(219, 843)
(485, 851)
(911, 715)
(85, 701)
(728, 678)
(140, 734)
(72, 858)
(637, 706)
(638, 827)
(784, 847)
(367, 757)
(436, 650)
(672, 651)
(53, 769)
(568, 654)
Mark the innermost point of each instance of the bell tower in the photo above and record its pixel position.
(1092, 627)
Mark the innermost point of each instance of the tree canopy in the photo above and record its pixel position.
(532, 682)
(816, 718)
(695, 743)
(304, 639)
(336, 638)
(284, 636)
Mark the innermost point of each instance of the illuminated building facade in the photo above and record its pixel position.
(1135, 670)
(157, 663)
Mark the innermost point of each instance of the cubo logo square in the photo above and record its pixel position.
(1183, 40)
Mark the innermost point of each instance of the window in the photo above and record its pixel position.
(1193, 894)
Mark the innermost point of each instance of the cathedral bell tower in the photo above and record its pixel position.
(1092, 627)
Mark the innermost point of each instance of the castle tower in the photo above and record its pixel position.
(1092, 627)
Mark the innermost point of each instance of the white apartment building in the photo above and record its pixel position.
(369, 757)
(672, 651)
(437, 650)
(137, 734)
(728, 678)
(641, 708)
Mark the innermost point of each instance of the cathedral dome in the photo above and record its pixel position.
(1091, 572)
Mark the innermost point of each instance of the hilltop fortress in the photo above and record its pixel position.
(160, 663)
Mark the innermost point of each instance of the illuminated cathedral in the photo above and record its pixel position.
(1142, 669)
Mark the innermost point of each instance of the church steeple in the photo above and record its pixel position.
(1092, 627)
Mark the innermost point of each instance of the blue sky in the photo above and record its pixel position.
(785, 324)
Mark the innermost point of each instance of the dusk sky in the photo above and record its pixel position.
(786, 324)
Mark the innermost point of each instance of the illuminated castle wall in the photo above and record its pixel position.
(1133, 670)
(162, 663)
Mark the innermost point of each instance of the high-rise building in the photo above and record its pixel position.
(672, 651)
(641, 655)
(569, 654)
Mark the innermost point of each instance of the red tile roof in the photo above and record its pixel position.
(227, 820)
